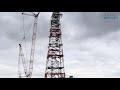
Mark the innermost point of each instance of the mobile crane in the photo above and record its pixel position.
(28, 69)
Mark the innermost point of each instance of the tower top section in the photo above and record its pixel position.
(57, 15)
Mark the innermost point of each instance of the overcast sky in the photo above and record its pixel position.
(91, 43)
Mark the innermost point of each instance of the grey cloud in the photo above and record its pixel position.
(97, 25)
(91, 24)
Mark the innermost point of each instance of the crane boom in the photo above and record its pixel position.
(33, 46)
(28, 70)
(23, 60)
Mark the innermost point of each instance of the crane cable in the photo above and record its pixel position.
(26, 32)
(25, 42)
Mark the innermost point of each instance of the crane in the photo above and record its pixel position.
(28, 69)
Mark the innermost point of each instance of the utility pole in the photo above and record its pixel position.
(55, 60)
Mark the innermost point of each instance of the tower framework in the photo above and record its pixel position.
(55, 60)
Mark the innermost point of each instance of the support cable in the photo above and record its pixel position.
(26, 32)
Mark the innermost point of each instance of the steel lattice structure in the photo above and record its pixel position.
(28, 70)
(55, 60)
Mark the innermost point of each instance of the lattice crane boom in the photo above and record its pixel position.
(21, 55)
(33, 45)
(28, 70)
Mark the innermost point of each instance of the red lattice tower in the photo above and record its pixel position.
(55, 61)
